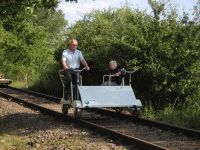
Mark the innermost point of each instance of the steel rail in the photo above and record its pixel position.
(124, 139)
(161, 125)
(49, 97)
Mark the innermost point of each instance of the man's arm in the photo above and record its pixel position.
(117, 74)
(85, 64)
(64, 64)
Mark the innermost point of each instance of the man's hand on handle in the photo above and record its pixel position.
(87, 68)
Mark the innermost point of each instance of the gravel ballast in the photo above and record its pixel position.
(23, 128)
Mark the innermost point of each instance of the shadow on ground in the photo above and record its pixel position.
(26, 123)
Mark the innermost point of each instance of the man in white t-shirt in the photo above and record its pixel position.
(71, 59)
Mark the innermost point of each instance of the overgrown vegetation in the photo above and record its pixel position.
(29, 34)
(164, 47)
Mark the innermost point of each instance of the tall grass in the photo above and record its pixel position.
(187, 116)
(19, 84)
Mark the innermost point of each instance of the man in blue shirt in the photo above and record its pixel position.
(71, 59)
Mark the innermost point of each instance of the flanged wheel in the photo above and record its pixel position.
(134, 112)
(78, 112)
(118, 110)
(65, 109)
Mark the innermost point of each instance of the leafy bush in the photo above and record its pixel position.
(166, 51)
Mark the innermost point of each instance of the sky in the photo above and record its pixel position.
(75, 11)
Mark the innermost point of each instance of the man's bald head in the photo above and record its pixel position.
(73, 43)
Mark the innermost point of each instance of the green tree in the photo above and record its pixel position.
(30, 40)
(165, 49)
(197, 11)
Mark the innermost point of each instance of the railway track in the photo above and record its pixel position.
(124, 128)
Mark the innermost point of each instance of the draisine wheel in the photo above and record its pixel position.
(134, 112)
(78, 112)
(65, 109)
(118, 110)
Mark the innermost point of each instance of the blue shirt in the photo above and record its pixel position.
(72, 58)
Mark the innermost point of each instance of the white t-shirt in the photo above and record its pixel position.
(72, 58)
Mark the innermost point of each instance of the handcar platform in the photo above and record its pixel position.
(108, 96)
(116, 97)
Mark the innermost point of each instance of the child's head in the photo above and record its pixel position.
(112, 64)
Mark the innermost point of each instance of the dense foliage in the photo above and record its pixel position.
(166, 50)
(163, 47)
(29, 34)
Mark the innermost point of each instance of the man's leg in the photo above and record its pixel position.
(74, 82)
(68, 79)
